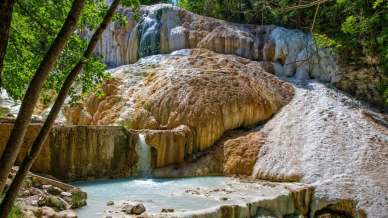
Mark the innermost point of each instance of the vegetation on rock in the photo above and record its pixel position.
(15, 212)
(355, 29)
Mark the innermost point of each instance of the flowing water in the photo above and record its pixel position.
(7, 105)
(155, 194)
(143, 150)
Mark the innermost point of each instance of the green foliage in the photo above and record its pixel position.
(323, 41)
(34, 26)
(16, 212)
(3, 111)
(356, 29)
(33, 29)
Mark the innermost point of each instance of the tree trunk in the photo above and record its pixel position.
(31, 97)
(6, 7)
(45, 130)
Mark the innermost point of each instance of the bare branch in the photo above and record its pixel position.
(297, 7)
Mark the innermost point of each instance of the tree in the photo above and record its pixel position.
(6, 7)
(34, 27)
(26, 164)
(31, 97)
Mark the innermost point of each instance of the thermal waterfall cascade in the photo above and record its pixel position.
(143, 150)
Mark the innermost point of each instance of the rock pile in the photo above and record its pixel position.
(44, 197)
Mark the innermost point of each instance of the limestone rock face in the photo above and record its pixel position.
(207, 92)
(80, 152)
(114, 48)
(165, 28)
(234, 154)
(171, 145)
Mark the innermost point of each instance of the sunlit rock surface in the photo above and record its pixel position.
(206, 92)
(80, 152)
(323, 137)
(164, 28)
(234, 154)
(171, 145)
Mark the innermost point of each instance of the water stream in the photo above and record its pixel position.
(143, 151)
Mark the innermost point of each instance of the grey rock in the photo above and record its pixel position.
(138, 209)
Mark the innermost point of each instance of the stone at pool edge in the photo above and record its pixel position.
(135, 209)
(138, 209)
(167, 210)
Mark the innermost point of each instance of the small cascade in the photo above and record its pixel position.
(143, 151)
(7, 105)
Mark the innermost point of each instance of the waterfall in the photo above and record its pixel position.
(143, 151)
(7, 104)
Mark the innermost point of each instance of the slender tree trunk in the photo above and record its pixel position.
(45, 130)
(6, 7)
(31, 97)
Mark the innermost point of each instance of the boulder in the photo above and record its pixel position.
(54, 190)
(78, 198)
(167, 210)
(66, 214)
(127, 209)
(53, 202)
(133, 208)
(138, 209)
(45, 212)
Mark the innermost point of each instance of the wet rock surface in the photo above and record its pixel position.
(288, 52)
(164, 28)
(322, 137)
(191, 99)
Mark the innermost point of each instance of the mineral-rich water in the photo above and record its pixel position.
(155, 194)
(143, 151)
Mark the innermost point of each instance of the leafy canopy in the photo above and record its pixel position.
(34, 26)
